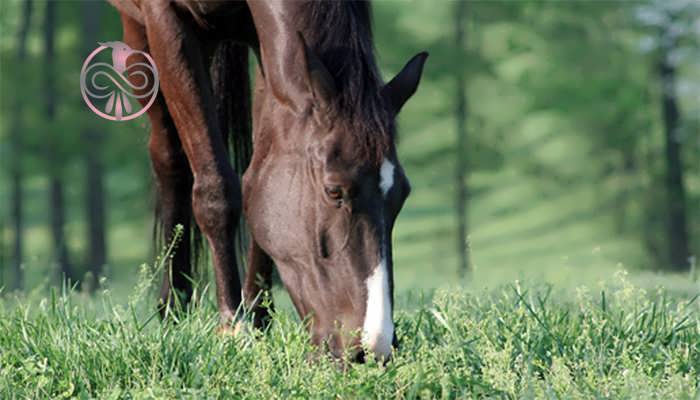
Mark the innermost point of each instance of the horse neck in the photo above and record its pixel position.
(338, 31)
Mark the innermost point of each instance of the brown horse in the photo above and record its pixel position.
(324, 185)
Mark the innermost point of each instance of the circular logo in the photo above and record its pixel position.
(114, 90)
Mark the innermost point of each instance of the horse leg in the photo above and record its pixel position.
(258, 280)
(173, 180)
(216, 193)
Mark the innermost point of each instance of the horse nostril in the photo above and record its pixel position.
(360, 357)
(324, 246)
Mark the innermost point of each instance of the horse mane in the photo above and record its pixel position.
(340, 33)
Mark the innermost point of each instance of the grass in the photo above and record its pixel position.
(518, 341)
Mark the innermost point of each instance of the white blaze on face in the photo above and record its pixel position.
(386, 175)
(378, 328)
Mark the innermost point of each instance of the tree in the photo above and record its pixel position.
(460, 154)
(674, 32)
(16, 171)
(93, 159)
(675, 186)
(53, 155)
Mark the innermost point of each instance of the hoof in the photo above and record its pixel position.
(236, 330)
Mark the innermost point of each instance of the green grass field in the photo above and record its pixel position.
(614, 340)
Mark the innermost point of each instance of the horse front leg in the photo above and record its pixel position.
(258, 283)
(216, 192)
(173, 179)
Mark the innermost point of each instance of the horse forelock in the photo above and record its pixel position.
(340, 33)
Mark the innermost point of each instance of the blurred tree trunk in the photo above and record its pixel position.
(57, 207)
(653, 222)
(461, 115)
(16, 172)
(94, 169)
(675, 189)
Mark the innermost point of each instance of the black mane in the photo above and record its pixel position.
(340, 33)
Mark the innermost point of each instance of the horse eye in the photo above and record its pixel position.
(334, 192)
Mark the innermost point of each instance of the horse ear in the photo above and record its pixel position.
(320, 81)
(404, 85)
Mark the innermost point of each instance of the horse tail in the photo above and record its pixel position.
(232, 91)
(231, 84)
